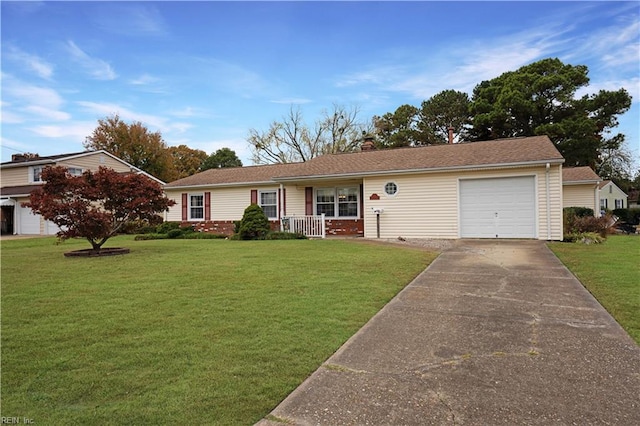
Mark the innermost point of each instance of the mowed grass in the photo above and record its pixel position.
(611, 272)
(182, 331)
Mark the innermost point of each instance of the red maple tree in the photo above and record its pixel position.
(96, 205)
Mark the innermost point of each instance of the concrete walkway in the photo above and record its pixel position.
(493, 332)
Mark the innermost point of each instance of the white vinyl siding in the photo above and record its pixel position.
(175, 212)
(426, 205)
(94, 161)
(226, 203)
(613, 197)
(295, 204)
(579, 196)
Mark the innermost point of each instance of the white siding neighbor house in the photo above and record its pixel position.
(506, 188)
(580, 188)
(611, 196)
(21, 175)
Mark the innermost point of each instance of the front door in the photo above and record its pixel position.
(6, 220)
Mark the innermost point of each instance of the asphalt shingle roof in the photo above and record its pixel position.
(536, 149)
(579, 174)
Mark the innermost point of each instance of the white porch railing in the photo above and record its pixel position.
(310, 226)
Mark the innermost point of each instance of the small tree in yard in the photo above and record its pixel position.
(254, 224)
(98, 204)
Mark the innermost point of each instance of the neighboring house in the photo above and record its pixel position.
(22, 175)
(633, 199)
(580, 188)
(508, 188)
(611, 196)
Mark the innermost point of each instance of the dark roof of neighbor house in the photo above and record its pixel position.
(41, 159)
(603, 184)
(12, 191)
(499, 152)
(607, 182)
(583, 174)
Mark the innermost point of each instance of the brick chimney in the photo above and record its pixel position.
(450, 129)
(24, 157)
(367, 143)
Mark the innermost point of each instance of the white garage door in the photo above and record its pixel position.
(498, 208)
(29, 223)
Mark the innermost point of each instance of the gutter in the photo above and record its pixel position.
(220, 185)
(415, 171)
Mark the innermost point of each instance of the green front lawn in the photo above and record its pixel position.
(611, 272)
(181, 331)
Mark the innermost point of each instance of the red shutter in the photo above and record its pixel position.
(207, 206)
(254, 196)
(279, 203)
(308, 201)
(184, 207)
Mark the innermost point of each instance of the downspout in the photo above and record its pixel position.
(547, 183)
(596, 200)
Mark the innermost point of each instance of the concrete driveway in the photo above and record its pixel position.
(493, 332)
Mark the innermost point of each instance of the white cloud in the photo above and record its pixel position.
(29, 102)
(10, 143)
(31, 63)
(8, 116)
(97, 68)
(144, 79)
(130, 19)
(33, 95)
(46, 113)
(76, 131)
(632, 85)
(128, 115)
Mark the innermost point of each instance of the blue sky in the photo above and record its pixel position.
(204, 73)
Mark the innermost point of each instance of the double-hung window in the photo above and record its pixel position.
(35, 174)
(337, 202)
(196, 206)
(326, 201)
(603, 203)
(619, 204)
(269, 202)
(74, 171)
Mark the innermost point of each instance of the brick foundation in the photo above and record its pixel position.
(345, 227)
(221, 227)
(338, 227)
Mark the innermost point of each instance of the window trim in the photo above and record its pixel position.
(75, 168)
(277, 205)
(384, 188)
(32, 170)
(336, 201)
(189, 206)
(615, 203)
